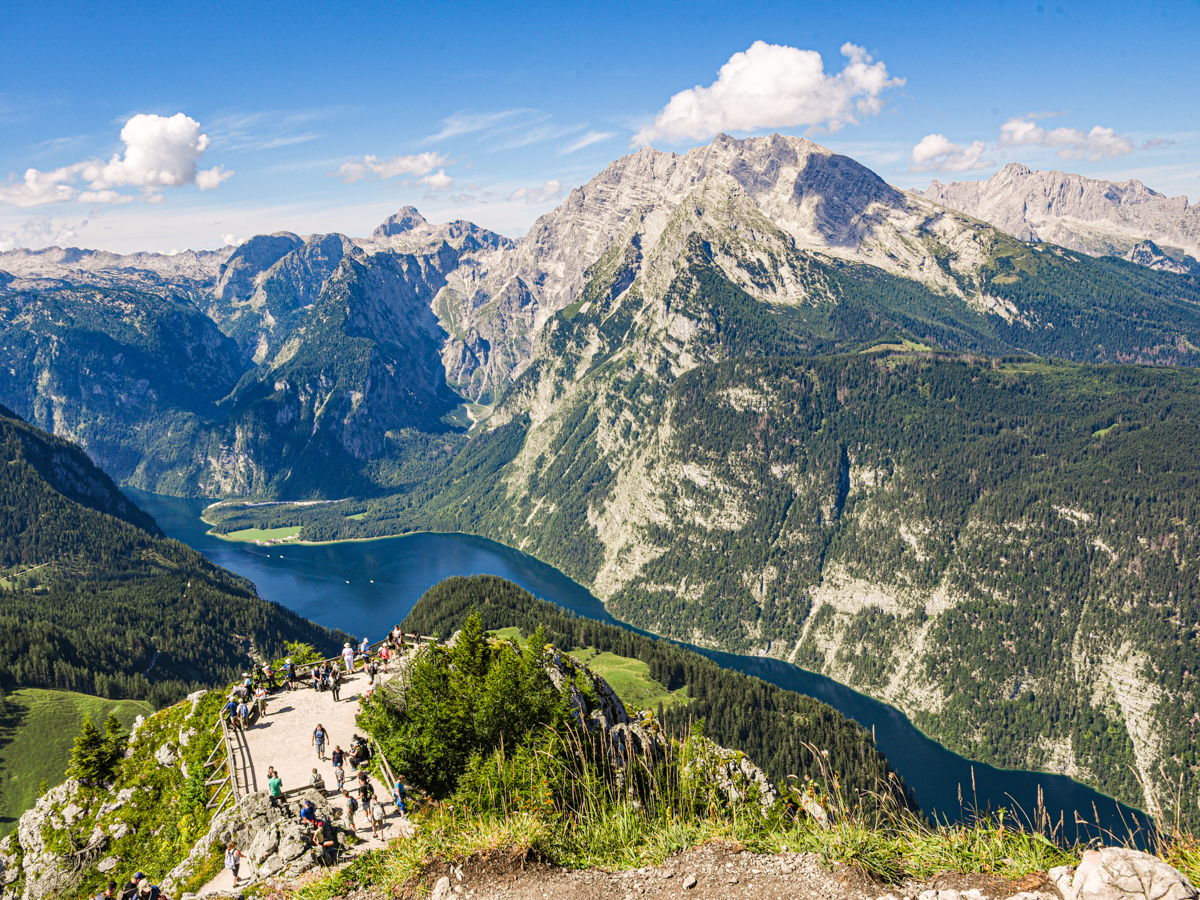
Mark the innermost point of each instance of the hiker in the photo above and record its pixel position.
(275, 791)
(400, 794)
(129, 891)
(348, 658)
(289, 673)
(372, 671)
(233, 860)
(319, 737)
(365, 647)
(324, 839)
(308, 812)
(260, 697)
(243, 712)
(316, 679)
(247, 682)
(148, 891)
(257, 674)
(351, 809)
(335, 683)
(269, 672)
(110, 892)
(378, 814)
(230, 711)
(339, 775)
(317, 781)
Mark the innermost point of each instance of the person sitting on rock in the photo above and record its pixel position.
(317, 780)
(308, 812)
(324, 840)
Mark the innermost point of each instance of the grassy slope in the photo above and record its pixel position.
(36, 737)
(630, 678)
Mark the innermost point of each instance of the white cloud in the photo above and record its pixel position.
(210, 179)
(437, 181)
(774, 86)
(229, 240)
(547, 193)
(8, 241)
(160, 152)
(466, 123)
(1071, 143)
(936, 152)
(413, 164)
(592, 137)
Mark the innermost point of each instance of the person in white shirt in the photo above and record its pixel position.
(348, 656)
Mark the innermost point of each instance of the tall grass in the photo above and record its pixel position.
(557, 801)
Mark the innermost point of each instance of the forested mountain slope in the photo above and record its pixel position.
(1006, 551)
(94, 599)
(776, 728)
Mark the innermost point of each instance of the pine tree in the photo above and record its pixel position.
(89, 759)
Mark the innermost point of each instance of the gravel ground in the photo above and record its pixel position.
(712, 872)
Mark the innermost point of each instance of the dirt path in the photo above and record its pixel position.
(715, 872)
(283, 739)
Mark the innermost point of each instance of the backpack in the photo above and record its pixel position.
(351, 806)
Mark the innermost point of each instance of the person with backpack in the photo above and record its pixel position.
(269, 672)
(351, 809)
(148, 891)
(335, 683)
(243, 712)
(378, 814)
(233, 860)
(319, 737)
(110, 893)
(289, 674)
(400, 795)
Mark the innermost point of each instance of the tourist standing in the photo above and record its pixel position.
(275, 791)
(335, 683)
(348, 657)
(351, 809)
(319, 737)
(233, 860)
(260, 697)
(378, 814)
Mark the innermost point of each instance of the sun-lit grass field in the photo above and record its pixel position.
(261, 534)
(36, 737)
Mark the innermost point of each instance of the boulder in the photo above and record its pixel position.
(442, 890)
(108, 864)
(165, 755)
(1114, 873)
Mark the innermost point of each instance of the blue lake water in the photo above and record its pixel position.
(365, 587)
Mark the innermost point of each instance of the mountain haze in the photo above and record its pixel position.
(1099, 218)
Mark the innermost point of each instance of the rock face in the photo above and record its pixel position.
(272, 842)
(1100, 218)
(1114, 873)
(1149, 255)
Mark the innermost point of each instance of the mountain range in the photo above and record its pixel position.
(752, 396)
(1100, 218)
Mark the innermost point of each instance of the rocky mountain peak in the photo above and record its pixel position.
(407, 219)
(1100, 218)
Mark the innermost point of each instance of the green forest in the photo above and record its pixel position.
(772, 726)
(96, 600)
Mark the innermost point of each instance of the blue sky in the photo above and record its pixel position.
(165, 126)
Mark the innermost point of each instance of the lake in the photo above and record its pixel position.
(366, 587)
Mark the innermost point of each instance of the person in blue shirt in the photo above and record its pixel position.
(308, 812)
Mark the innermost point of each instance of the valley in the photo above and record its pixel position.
(751, 396)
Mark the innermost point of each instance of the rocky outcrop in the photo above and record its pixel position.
(1149, 255)
(273, 842)
(1115, 873)
(1100, 218)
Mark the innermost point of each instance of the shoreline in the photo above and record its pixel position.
(699, 649)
